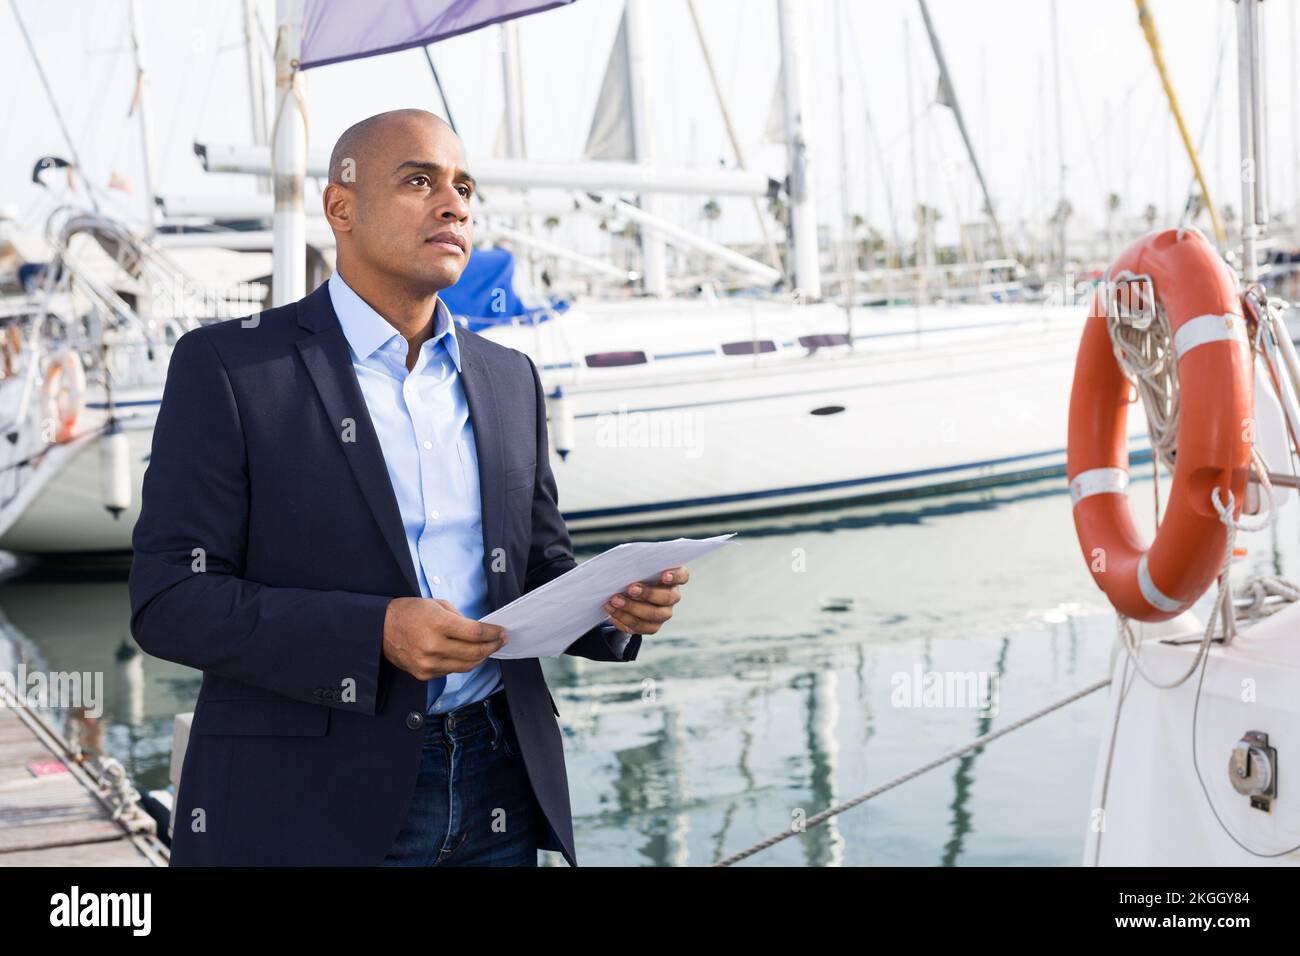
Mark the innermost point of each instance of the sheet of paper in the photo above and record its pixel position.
(546, 620)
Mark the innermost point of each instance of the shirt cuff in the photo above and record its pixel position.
(617, 639)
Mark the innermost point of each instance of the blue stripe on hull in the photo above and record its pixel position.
(768, 500)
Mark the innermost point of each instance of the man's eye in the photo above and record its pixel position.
(465, 191)
(415, 178)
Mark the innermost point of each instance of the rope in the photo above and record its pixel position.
(912, 774)
(1153, 41)
(1146, 356)
(1260, 590)
(1133, 646)
(1143, 347)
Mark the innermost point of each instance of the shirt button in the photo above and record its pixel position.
(396, 345)
(437, 580)
(433, 516)
(415, 720)
(428, 444)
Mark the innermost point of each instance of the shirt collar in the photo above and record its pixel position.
(366, 330)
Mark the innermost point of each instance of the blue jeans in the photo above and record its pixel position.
(473, 804)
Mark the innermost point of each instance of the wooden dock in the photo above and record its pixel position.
(56, 810)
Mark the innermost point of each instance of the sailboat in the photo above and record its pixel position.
(664, 409)
(661, 408)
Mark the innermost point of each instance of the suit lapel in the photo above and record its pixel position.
(485, 416)
(329, 362)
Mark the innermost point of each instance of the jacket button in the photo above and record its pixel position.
(415, 720)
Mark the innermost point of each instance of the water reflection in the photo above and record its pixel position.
(770, 696)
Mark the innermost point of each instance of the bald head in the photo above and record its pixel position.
(375, 136)
(398, 202)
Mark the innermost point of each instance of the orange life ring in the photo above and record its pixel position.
(1198, 292)
(63, 392)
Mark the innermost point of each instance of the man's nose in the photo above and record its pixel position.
(456, 207)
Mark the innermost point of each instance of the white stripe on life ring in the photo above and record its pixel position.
(1153, 594)
(1098, 481)
(1209, 328)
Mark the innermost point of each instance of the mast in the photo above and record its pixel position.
(289, 158)
(917, 215)
(1295, 129)
(256, 84)
(848, 248)
(773, 255)
(949, 92)
(986, 138)
(1254, 216)
(1061, 216)
(873, 145)
(142, 104)
(654, 280)
(805, 269)
(512, 83)
(1045, 245)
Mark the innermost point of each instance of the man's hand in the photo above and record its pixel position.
(642, 608)
(428, 637)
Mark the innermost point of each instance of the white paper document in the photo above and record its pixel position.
(546, 620)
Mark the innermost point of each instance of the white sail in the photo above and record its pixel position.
(611, 137)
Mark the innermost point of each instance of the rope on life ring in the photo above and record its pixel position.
(1175, 289)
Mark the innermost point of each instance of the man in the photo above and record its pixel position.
(338, 489)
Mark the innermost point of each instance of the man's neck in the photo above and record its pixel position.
(410, 312)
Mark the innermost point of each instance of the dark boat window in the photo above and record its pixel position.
(612, 359)
(823, 339)
(748, 347)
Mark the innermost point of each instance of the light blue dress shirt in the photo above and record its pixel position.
(422, 420)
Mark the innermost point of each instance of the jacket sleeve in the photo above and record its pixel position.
(190, 602)
(550, 552)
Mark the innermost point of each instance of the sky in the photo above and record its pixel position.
(1113, 120)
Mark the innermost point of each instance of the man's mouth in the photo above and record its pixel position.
(449, 241)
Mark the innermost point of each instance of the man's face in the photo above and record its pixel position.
(411, 205)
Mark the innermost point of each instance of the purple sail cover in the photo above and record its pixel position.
(336, 30)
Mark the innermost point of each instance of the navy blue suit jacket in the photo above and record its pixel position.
(268, 547)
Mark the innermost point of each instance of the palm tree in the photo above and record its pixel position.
(711, 211)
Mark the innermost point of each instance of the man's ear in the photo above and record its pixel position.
(336, 203)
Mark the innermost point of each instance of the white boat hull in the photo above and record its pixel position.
(1148, 807)
(60, 507)
(975, 397)
(979, 397)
